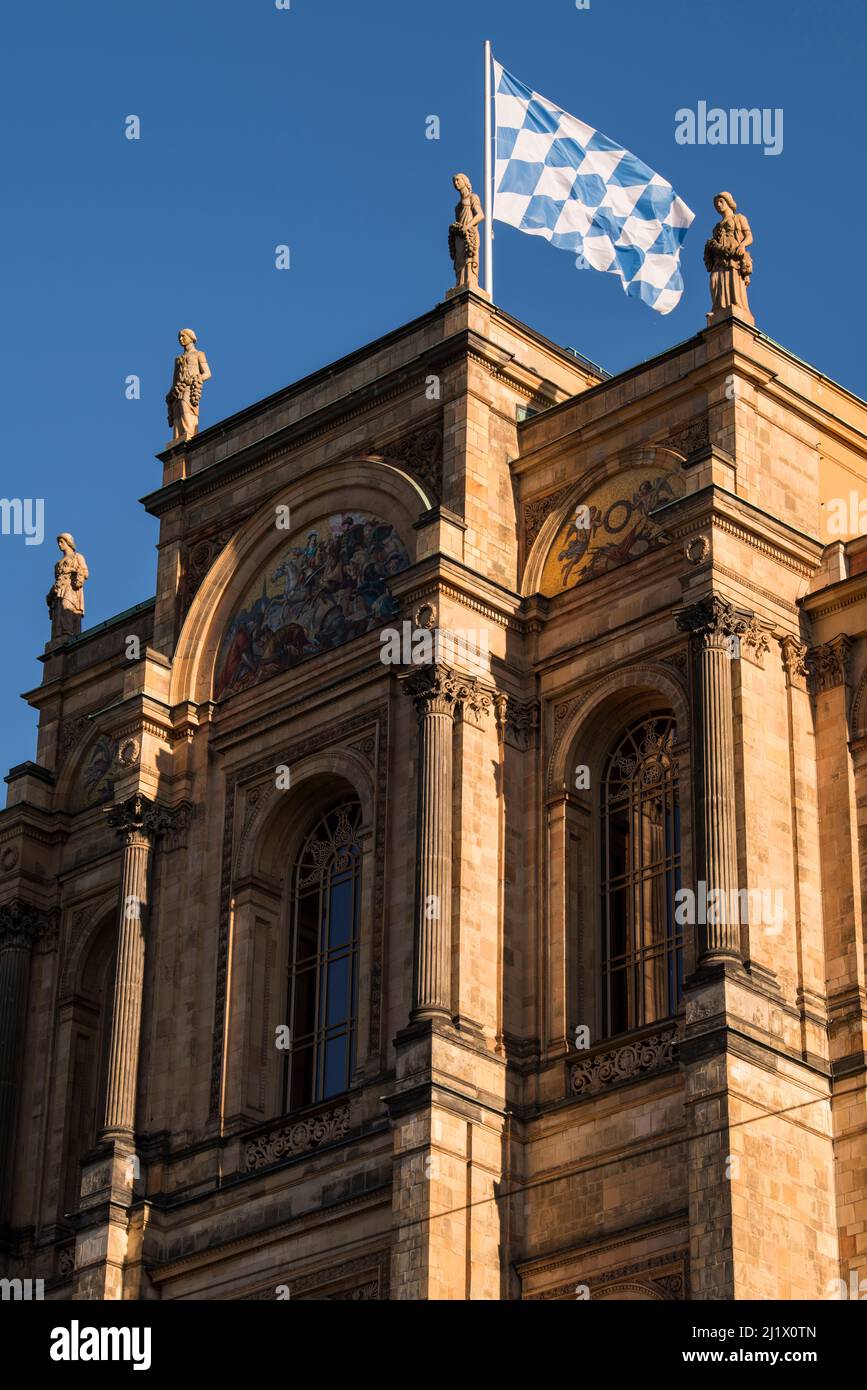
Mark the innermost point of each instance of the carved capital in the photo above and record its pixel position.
(138, 821)
(517, 721)
(828, 664)
(436, 690)
(713, 620)
(22, 924)
(794, 654)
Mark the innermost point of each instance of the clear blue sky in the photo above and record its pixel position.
(307, 127)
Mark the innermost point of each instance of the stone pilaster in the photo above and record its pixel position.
(21, 925)
(715, 626)
(139, 822)
(436, 693)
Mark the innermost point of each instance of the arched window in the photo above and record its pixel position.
(642, 944)
(323, 955)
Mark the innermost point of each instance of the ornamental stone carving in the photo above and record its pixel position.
(623, 1063)
(517, 721)
(291, 1140)
(828, 664)
(421, 453)
(140, 819)
(794, 654)
(22, 924)
(537, 509)
(437, 690)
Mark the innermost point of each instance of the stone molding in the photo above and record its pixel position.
(624, 1063)
(365, 1278)
(290, 1140)
(663, 1276)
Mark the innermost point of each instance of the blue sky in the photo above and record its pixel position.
(306, 127)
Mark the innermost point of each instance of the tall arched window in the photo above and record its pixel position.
(323, 955)
(642, 944)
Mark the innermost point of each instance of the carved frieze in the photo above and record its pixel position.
(624, 1063)
(290, 1140)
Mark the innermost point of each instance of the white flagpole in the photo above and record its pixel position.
(489, 187)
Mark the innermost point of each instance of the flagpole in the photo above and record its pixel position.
(488, 200)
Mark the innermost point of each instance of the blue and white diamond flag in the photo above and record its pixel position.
(559, 178)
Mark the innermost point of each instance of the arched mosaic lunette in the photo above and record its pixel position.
(323, 588)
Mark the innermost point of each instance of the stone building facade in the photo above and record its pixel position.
(528, 965)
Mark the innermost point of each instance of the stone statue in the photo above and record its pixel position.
(65, 598)
(729, 262)
(464, 235)
(191, 371)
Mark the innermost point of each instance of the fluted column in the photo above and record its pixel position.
(21, 925)
(715, 626)
(436, 692)
(139, 822)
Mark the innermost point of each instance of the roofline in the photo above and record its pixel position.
(342, 364)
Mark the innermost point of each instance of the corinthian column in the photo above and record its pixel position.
(715, 626)
(20, 926)
(138, 822)
(436, 693)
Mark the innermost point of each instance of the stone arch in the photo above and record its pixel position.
(369, 485)
(651, 456)
(83, 1030)
(858, 710)
(87, 923)
(274, 825)
(71, 790)
(590, 724)
(264, 837)
(624, 691)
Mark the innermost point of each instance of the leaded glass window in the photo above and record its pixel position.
(642, 944)
(323, 959)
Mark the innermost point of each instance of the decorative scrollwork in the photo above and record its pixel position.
(289, 1140)
(623, 1063)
